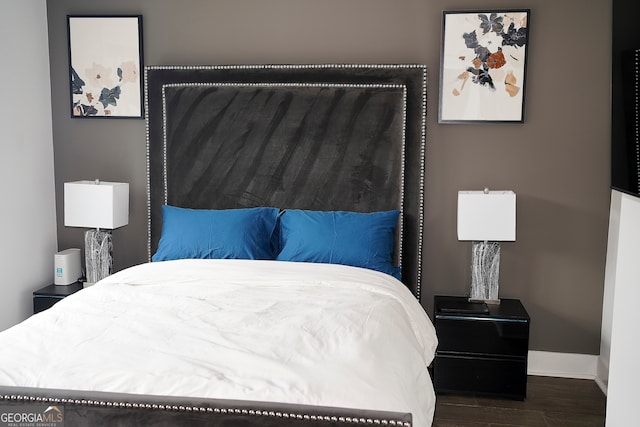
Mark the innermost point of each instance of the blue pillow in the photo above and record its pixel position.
(349, 238)
(216, 234)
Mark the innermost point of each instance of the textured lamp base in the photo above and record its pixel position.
(97, 255)
(485, 270)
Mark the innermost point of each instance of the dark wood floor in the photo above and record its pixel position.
(551, 402)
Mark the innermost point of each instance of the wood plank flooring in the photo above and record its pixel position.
(551, 402)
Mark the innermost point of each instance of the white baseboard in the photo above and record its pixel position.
(602, 376)
(564, 365)
(602, 384)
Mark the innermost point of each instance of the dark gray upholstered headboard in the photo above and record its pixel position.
(320, 137)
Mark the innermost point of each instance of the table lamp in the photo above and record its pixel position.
(102, 206)
(486, 218)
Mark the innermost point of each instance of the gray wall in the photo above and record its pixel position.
(557, 161)
(27, 210)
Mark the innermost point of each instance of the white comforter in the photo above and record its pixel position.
(251, 330)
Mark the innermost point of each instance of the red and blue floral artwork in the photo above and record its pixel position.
(483, 66)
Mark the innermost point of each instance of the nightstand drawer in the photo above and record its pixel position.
(482, 336)
(41, 303)
(479, 375)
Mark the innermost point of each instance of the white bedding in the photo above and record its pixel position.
(251, 330)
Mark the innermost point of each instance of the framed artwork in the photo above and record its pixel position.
(482, 66)
(105, 66)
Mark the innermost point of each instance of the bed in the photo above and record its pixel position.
(288, 321)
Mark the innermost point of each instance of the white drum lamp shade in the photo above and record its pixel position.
(486, 218)
(96, 205)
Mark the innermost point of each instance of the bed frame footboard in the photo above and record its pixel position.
(89, 408)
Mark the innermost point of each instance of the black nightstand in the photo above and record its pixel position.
(49, 295)
(478, 352)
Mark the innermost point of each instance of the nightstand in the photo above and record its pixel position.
(478, 352)
(49, 295)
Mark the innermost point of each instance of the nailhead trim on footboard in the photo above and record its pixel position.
(203, 409)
